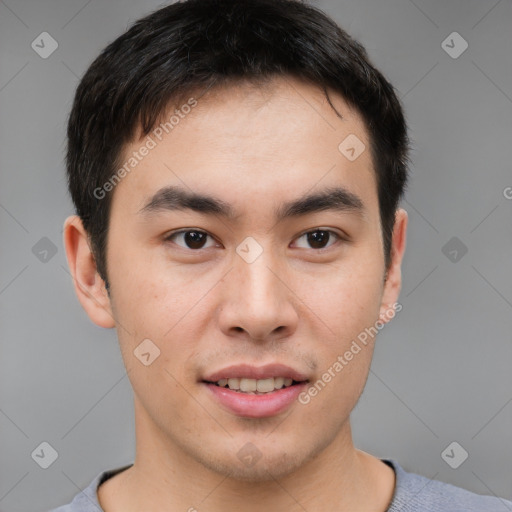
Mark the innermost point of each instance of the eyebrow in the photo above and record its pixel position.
(172, 198)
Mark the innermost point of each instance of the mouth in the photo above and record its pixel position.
(250, 386)
(255, 392)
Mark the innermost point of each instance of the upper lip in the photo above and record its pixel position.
(256, 372)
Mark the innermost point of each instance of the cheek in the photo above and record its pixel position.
(157, 312)
(346, 301)
(150, 298)
(346, 307)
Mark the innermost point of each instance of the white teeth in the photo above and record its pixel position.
(247, 385)
(255, 385)
(265, 385)
(279, 382)
(234, 383)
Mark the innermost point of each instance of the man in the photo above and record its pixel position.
(236, 168)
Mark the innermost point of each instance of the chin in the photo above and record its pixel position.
(267, 468)
(250, 464)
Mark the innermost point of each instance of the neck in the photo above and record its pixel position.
(164, 477)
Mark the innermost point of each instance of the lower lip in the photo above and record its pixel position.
(256, 406)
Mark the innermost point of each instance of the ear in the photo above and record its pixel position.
(89, 286)
(393, 283)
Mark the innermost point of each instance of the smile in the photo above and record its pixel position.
(255, 386)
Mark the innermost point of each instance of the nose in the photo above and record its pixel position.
(258, 303)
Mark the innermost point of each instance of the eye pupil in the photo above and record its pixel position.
(318, 239)
(195, 239)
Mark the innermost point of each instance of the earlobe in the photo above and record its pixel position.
(89, 286)
(393, 278)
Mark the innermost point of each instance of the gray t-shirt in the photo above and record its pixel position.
(413, 493)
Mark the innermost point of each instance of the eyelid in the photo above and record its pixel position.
(339, 234)
(169, 236)
(340, 237)
(185, 230)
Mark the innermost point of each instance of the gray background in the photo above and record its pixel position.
(441, 371)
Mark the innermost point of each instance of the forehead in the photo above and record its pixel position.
(243, 141)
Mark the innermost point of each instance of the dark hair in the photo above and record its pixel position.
(201, 43)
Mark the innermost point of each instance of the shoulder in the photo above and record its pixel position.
(87, 500)
(415, 493)
(84, 501)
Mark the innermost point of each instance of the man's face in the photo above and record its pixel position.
(297, 293)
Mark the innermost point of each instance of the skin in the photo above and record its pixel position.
(207, 308)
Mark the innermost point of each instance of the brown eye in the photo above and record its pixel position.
(318, 238)
(190, 239)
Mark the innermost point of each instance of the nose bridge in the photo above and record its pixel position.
(258, 285)
(257, 301)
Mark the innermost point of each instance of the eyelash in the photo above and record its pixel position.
(316, 230)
